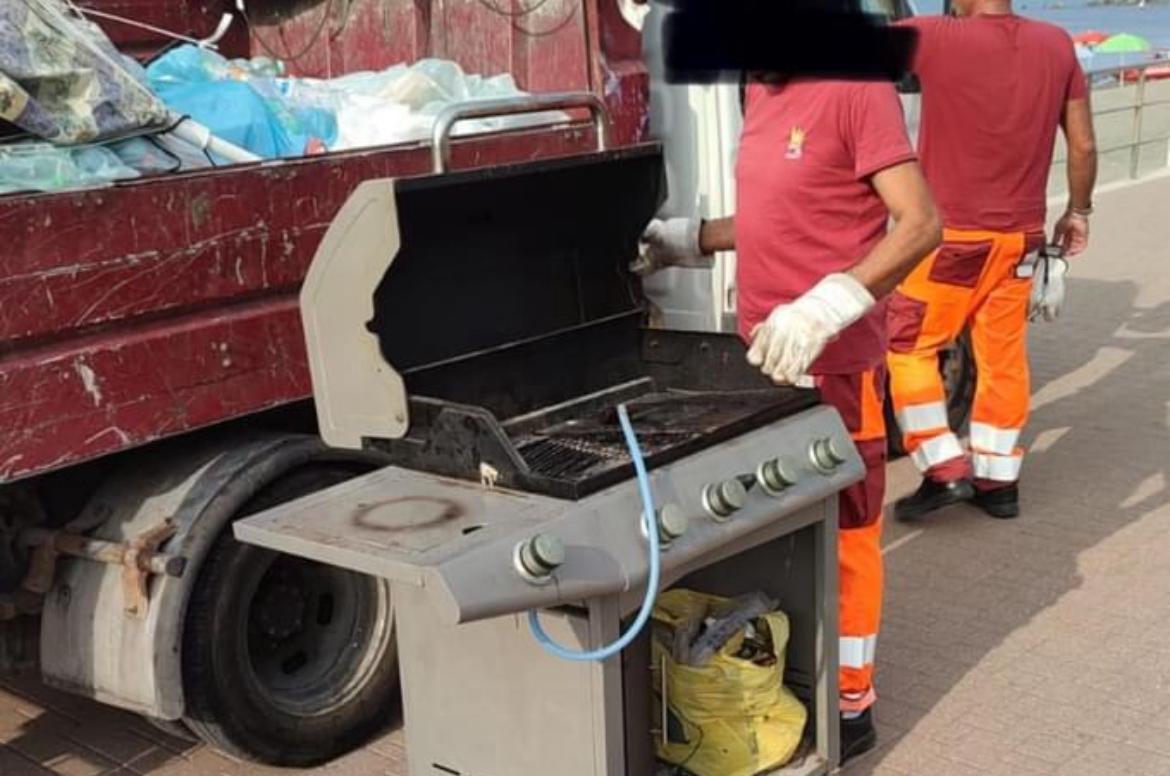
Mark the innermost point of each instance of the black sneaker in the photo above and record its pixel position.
(858, 735)
(1003, 503)
(932, 495)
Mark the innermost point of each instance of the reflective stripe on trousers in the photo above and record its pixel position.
(986, 438)
(997, 468)
(858, 651)
(915, 418)
(936, 450)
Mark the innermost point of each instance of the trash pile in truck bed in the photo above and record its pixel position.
(250, 103)
(85, 114)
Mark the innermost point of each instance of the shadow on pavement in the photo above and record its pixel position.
(964, 595)
(64, 734)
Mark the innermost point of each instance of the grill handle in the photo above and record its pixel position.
(511, 106)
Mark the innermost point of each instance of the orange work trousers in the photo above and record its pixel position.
(859, 399)
(969, 280)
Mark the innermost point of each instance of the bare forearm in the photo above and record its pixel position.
(1077, 123)
(892, 259)
(717, 235)
(917, 230)
(1082, 177)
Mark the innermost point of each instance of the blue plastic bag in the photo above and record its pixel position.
(238, 105)
(38, 166)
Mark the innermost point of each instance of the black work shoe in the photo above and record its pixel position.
(932, 495)
(1003, 503)
(858, 735)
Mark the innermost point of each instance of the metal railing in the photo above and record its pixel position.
(1137, 77)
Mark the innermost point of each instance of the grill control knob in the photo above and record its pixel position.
(540, 556)
(824, 456)
(672, 524)
(723, 499)
(774, 477)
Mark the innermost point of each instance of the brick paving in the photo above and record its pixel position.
(1036, 646)
(1042, 645)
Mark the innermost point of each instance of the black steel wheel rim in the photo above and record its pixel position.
(311, 634)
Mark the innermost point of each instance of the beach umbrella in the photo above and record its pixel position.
(1124, 44)
(1090, 37)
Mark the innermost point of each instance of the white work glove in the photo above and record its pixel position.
(1047, 288)
(670, 243)
(794, 335)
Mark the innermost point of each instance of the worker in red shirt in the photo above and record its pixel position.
(995, 88)
(822, 166)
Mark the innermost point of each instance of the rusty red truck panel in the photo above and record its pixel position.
(156, 307)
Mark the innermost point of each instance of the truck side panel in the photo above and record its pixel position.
(156, 307)
(137, 312)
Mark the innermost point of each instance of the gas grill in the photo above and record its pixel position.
(481, 328)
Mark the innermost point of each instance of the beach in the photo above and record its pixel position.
(1151, 21)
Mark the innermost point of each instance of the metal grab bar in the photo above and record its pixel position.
(511, 106)
(1133, 77)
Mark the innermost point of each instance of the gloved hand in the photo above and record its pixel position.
(1047, 288)
(794, 335)
(670, 243)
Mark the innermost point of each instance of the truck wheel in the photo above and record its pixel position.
(957, 366)
(286, 661)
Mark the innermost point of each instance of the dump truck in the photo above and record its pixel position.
(153, 382)
(155, 388)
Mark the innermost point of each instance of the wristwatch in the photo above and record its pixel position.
(1082, 212)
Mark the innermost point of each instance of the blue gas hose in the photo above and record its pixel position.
(649, 518)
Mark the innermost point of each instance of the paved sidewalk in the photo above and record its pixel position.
(1036, 646)
(1042, 645)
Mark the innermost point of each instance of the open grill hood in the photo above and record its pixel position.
(503, 326)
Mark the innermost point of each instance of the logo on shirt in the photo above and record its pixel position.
(795, 143)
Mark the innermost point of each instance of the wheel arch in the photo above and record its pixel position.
(89, 645)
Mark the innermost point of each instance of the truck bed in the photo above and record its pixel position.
(151, 308)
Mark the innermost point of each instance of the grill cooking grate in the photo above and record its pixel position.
(562, 458)
(568, 455)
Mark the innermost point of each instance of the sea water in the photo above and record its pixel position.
(1151, 22)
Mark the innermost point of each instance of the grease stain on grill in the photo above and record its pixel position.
(407, 513)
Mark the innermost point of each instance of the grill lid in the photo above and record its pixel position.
(467, 263)
(498, 256)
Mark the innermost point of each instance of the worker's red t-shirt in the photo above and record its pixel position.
(805, 207)
(993, 91)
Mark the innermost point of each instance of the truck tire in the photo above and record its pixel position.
(957, 366)
(286, 661)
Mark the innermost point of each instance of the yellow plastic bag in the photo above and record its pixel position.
(729, 717)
